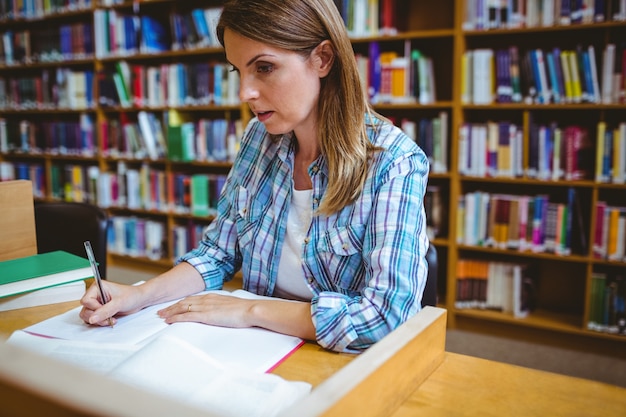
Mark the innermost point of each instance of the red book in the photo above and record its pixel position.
(138, 90)
(388, 17)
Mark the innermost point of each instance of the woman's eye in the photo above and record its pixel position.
(264, 68)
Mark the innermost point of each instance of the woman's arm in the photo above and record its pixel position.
(287, 317)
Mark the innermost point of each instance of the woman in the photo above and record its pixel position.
(323, 207)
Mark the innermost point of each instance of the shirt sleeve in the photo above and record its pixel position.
(394, 249)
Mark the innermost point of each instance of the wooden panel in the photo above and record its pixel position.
(379, 380)
(17, 222)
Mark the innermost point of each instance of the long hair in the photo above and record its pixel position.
(299, 26)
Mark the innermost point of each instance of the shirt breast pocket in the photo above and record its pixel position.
(250, 213)
(340, 250)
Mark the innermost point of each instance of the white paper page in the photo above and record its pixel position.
(131, 329)
(98, 357)
(173, 367)
(251, 348)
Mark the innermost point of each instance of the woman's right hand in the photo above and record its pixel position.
(124, 299)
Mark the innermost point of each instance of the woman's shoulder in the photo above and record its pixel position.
(391, 138)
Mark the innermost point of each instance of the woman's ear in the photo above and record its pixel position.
(324, 58)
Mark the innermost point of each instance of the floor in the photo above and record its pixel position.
(564, 361)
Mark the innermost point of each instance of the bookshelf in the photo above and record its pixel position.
(441, 34)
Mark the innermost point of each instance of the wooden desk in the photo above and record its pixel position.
(460, 386)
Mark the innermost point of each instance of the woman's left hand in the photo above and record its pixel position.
(214, 309)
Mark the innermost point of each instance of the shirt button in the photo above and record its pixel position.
(307, 240)
(310, 280)
(345, 246)
(316, 201)
(316, 168)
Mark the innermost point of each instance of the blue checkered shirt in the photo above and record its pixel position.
(364, 264)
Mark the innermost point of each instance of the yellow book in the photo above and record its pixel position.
(601, 129)
(78, 184)
(567, 79)
(466, 93)
(575, 76)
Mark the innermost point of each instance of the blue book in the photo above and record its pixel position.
(375, 71)
(154, 36)
(586, 72)
(202, 28)
(566, 12)
(554, 81)
(65, 33)
(599, 11)
(218, 77)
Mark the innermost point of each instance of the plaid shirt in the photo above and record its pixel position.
(364, 264)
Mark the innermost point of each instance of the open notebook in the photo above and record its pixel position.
(214, 367)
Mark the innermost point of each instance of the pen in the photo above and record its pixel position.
(96, 275)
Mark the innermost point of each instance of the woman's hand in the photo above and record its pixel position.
(124, 299)
(288, 317)
(214, 309)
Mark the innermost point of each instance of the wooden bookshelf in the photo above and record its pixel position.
(439, 31)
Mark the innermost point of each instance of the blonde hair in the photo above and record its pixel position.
(300, 26)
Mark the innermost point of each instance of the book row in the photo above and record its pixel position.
(500, 286)
(144, 137)
(510, 14)
(59, 88)
(553, 152)
(544, 76)
(610, 233)
(185, 237)
(607, 305)
(137, 237)
(51, 137)
(522, 222)
(136, 188)
(391, 77)
(369, 17)
(36, 9)
(431, 134)
(67, 42)
(174, 84)
(181, 140)
(120, 34)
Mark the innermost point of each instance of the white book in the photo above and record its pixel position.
(217, 368)
(71, 291)
(482, 77)
(608, 63)
(463, 145)
(249, 348)
(147, 133)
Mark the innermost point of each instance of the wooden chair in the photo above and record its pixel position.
(67, 225)
(17, 224)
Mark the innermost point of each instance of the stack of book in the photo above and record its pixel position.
(42, 279)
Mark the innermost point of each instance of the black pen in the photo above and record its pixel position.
(96, 275)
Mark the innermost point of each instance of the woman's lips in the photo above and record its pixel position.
(264, 115)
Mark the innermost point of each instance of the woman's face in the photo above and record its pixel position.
(281, 87)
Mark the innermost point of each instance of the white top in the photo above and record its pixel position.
(291, 283)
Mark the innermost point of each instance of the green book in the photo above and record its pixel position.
(41, 271)
(200, 195)
(174, 143)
